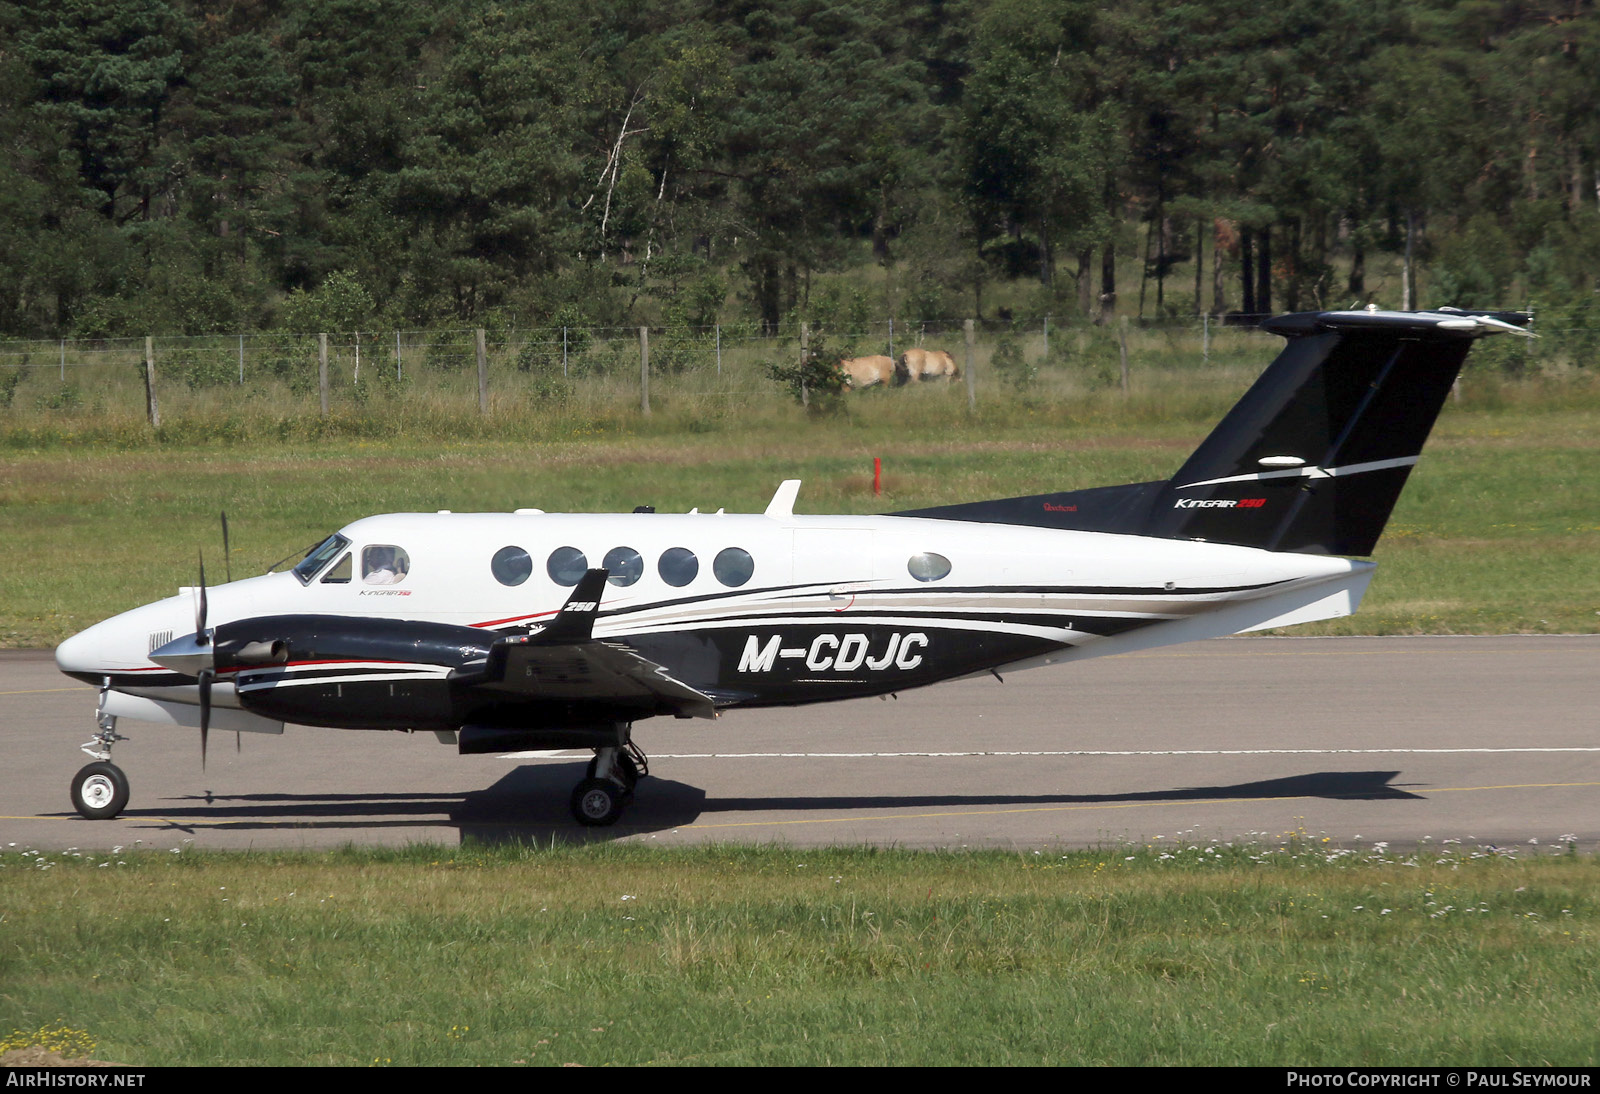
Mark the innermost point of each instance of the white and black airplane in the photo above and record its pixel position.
(504, 632)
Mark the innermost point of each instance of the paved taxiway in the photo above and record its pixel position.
(1483, 740)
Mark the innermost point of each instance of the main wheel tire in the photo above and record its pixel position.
(99, 791)
(624, 770)
(598, 802)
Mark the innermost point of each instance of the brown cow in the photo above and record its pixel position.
(927, 364)
(863, 372)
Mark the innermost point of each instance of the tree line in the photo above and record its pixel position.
(191, 167)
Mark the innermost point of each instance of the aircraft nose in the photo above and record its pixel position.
(113, 645)
(80, 655)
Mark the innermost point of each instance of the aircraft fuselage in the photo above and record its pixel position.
(825, 608)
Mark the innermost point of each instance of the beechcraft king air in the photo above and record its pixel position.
(540, 631)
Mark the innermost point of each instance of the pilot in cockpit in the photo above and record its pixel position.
(383, 564)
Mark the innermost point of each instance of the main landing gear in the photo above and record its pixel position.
(599, 799)
(100, 790)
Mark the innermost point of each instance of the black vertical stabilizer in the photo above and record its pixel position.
(1312, 458)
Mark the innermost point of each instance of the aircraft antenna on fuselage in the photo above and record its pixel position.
(781, 507)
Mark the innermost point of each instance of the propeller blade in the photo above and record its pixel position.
(200, 610)
(227, 555)
(205, 678)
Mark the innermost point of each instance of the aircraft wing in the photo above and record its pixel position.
(591, 672)
(564, 662)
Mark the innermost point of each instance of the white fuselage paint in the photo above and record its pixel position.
(853, 568)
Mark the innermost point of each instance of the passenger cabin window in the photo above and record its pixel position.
(511, 566)
(733, 566)
(566, 566)
(625, 565)
(340, 573)
(318, 557)
(384, 564)
(928, 566)
(678, 566)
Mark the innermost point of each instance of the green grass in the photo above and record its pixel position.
(49, 390)
(1185, 953)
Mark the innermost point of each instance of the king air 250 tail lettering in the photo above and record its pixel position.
(503, 632)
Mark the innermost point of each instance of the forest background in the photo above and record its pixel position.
(187, 168)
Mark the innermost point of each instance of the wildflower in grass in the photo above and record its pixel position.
(59, 1038)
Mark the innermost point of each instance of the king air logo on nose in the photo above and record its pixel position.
(836, 653)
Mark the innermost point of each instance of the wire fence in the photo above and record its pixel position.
(526, 370)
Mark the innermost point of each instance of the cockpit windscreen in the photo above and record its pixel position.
(319, 556)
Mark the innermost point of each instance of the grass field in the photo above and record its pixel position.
(1499, 530)
(1184, 953)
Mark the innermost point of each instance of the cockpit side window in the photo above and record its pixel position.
(319, 556)
(339, 574)
(384, 564)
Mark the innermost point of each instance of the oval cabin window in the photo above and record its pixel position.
(625, 565)
(511, 566)
(567, 566)
(733, 566)
(678, 566)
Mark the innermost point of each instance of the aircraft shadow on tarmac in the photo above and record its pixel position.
(529, 804)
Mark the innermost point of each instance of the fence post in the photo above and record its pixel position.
(644, 370)
(152, 409)
(1122, 337)
(483, 374)
(805, 342)
(397, 373)
(972, 384)
(1205, 338)
(241, 358)
(891, 338)
(1047, 338)
(563, 353)
(719, 349)
(63, 360)
(322, 371)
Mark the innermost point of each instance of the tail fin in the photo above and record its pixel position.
(1312, 458)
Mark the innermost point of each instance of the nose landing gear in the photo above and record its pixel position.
(100, 789)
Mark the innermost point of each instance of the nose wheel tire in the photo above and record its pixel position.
(99, 791)
(598, 802)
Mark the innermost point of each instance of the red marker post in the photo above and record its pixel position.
(877, 477)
